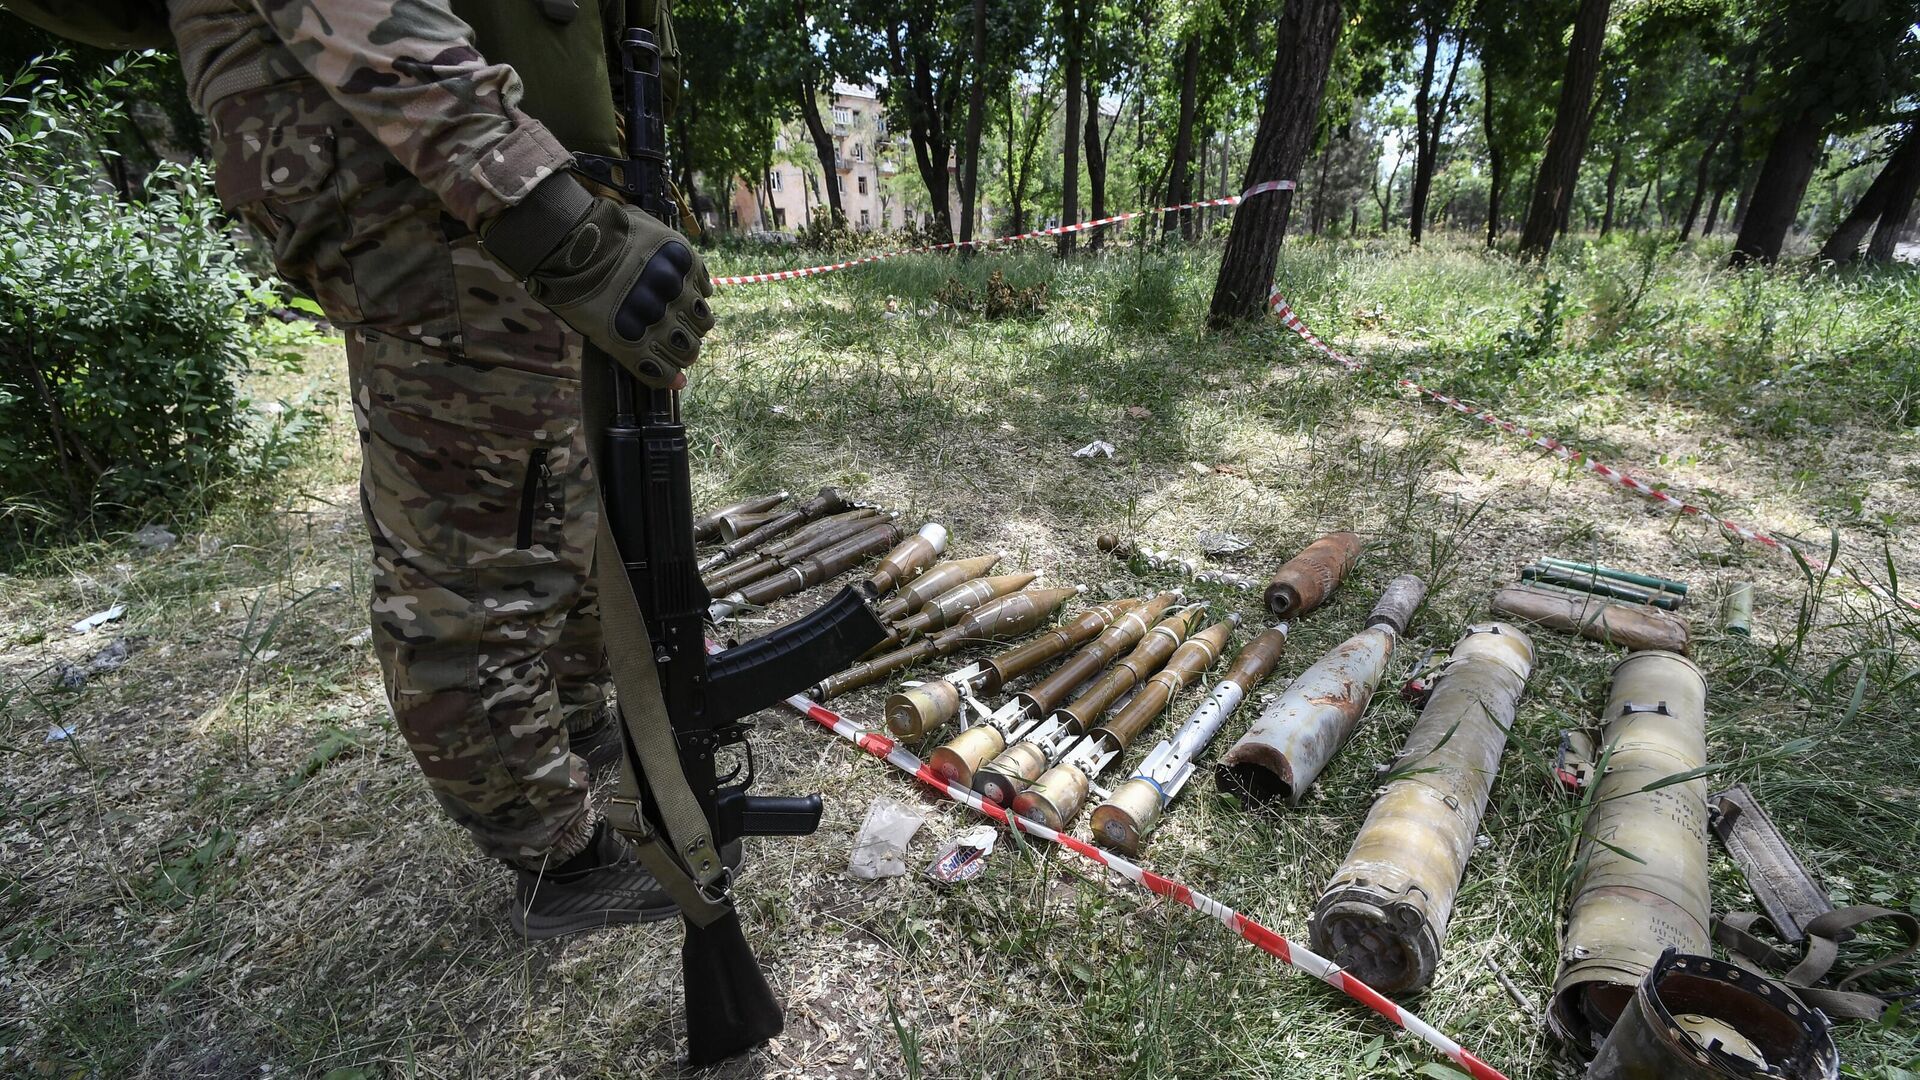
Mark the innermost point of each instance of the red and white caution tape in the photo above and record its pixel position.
(1057, 230)
(1288, 952)
(1283, 311)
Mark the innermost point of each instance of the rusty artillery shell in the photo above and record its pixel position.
(813, 537)
(1124, 633)
(916, 710)
(1695, 1018)
(828, 501)
(1632, 626)
(707, 528)
(1384, 915)
(1295, 737)
(946, 609)
(809, 571)
(997, 619)
(1308, 578)
(913, 555)
(1129, 814)
(1643, 884)
(938, 578)
(1054, 799)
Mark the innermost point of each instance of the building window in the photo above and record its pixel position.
(842, 116)
(866, 220)
(856, 114)
(840, 184)
(779, 218)
(779, 142)
(859, 151)
(773, 180)
(863, 188)
(880, 126)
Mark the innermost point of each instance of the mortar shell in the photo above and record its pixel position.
(1129, 814)
(963, 756)
(1054, 799)
(1307, 579)
(916, 710)
(1009, 773)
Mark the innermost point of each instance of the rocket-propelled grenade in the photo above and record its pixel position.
(1055, 798)
(1045, 741)
(946, 609)
(814, 537)
(996, 620)
(1285, 750)
(808, 572)
(1308, 578)
(1384, 915)
(707, 529)
(922, 707)
(829, 501)
(1130, 813)
(962, 756)
(936, 580)
(908, 559)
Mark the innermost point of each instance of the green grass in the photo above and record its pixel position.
(234, 866)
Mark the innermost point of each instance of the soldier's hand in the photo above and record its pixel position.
(627, 282)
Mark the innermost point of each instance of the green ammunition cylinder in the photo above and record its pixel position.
(1568, 579)
(1647, 581)
(1739, 618)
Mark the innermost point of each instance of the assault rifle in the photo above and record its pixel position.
(649, 523)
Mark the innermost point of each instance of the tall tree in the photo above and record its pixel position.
(1843, 246)
(809, 98)
(1072, 28)
(919, 45)
(1430, 113)
(976, 119)
(1553, 185)
(1180, 171)
(1296, 87)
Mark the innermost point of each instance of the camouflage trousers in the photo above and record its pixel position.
(474, 483)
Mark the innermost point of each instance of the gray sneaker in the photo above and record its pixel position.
(604, 885)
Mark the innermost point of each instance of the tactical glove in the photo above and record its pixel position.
(630, 284)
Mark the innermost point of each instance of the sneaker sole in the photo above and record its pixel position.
(545, 927)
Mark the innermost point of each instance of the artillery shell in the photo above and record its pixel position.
(1307, 579)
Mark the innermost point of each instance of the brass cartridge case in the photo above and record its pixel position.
(937, 579)
(1631, 626)
(707, 527)
(1384, 915)
(1695, 1018)
(1294, 738)
(1643, 885)
(1004, 617)
(1307, 579)
(1125, 632)
(913, 555)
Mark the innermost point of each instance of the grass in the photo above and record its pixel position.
(232, 867)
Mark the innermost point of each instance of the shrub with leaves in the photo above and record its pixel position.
(122, 323)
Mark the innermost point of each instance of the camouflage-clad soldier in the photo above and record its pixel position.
(374, 146)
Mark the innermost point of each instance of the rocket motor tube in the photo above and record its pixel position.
(815, 568)
(1384, 914)
(907, 559)
(828, 501)
(1695, 1018)
(1153, 652)
(1006, 616)
(1001, 780)
(707, 527)
(771, 559)
(961, 757)
(937, 579)
(1630, 625)
(1307, 579)
(1643, 884)
(1123, 633)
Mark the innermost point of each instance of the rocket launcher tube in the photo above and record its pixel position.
(1285, 750)
(1055, 798)
(920, 708)
(1133, 808)
(829, 501)
(771, 559)
(998, 619)
(938, 579)
(1045, 743)
(1384, 915)
(909, 558)
(1643, 853)
(707, 528)
(808, 572)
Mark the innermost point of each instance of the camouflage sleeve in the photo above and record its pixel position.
(408, 72)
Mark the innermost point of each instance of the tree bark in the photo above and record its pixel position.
(911, 73)
(1070, 146)
(822, 144)
(1180, 176)
(1296, 88)
(1613, 184)
(1567, 143)
(1844, 245)
(1778, 189)
(1703, 178)
(1713, 211)
(976, 119)
(1096, 166)
(1496, 157)
(1899, 205)
(1430, 118)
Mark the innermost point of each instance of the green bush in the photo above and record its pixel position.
(123, 324)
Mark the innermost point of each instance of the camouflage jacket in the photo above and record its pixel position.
(406, 70)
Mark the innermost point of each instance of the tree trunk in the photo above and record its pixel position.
(1781, 185)
(1899, 204)
(976, 119)
(1096, 166)
(1070, 146)
(1713, 211)
(1613, 183)
(1844, 245)
(1430, 118)
(1320, 191)
(1180, 176)
(1296, 88)
(1567, 143)
(1703, 178)
(1640, 212)
(910, 72)
(1496, 157)
(822, 144)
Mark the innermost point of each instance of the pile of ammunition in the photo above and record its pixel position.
(1636, 988)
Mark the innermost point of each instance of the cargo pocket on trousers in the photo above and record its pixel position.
(281, 181)
(471, 467)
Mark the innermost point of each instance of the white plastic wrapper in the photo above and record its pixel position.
(880, 848)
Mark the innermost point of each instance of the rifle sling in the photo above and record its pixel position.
(1737, 932)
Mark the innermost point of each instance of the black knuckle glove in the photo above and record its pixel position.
(629, 283)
